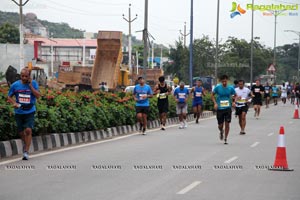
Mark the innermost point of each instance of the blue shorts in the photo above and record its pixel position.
(197, 103)
(24, 121)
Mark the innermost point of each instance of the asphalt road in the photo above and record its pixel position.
(176, 164)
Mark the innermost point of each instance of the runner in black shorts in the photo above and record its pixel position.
(162, 91)
(256, 92)
(267, 91)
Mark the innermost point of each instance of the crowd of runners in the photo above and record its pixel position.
(226, 98)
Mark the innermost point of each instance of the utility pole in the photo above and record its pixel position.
(298, 33)
(21, 4)
(145, 39)
(152, 63)
(184, 34)
(251, 56)
(51, 39)
(129, 20)
(217, 44)
(191, 45)
(161, 55)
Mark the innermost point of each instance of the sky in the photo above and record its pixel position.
(167, 17)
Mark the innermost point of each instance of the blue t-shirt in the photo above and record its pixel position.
(24, 96)
(274, 91)
(141, 93)
(181, 94)
(224, 96)
(198, 92)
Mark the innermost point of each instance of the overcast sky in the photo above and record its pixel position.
(166, 18)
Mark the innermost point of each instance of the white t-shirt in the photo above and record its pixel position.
(242, 95)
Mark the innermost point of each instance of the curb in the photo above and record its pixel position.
(55, 140)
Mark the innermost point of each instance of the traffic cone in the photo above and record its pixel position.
(296, 112)
(280, 163)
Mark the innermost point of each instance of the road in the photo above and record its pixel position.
(172, 165)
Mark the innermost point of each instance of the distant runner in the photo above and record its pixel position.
(275, 94)
(241, 100)
(223, 106)
(181, 95)
(283, 93)
(141, 93)
(256, 93)
(162, 90)
(267, 91)
(197, 93)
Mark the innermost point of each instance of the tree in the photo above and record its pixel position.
(9, 34)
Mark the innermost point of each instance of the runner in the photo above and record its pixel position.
(141, 93)
(275, 94)
(181, 95)
(26, 91)
(297, 90)
(242, 97)
(223, 105)
(267, 91)
(162, 91)
(197, 92)
(283, 93)
(256, 92)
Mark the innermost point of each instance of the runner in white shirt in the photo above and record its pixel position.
(283, 93)
(241, 102)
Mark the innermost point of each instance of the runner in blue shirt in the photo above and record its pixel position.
(223, 105)
(197, 94)
(25, 91)
(181, 95)
(275, 93)
(141, 93)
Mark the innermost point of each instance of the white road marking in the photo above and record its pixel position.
(270, 134)
(291, 122)
(254, 145)
(231, 160)
(189, 187)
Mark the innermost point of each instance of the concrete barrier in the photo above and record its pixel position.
(47, 142)
(71, 138)
(17, 146)
(63, 139)
(5, 149)
(37, 143)
(92, 136)
(78, 137)
(85, 136)
(55, 140)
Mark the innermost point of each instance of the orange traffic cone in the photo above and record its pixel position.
(280, 163)
(296, 113)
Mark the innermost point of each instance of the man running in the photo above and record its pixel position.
(197, 93)
(223, 105)
(267, 91)
(242, 97)
(162, 91)
(275, 94)
(256, 92)
(283, 93)
(26, 91)
(141, 93)
(181, 95)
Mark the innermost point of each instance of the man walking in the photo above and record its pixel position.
(223, 105)
(141, 93)
(275, 94)
(162, 90)
(267, 91)
(197, 93)
(181, 95)
(256, 92)
(242, 97)
(25, 91)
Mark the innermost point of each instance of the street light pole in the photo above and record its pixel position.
(145, 40)
(129, 20)
(251, 56)
(191, 45)
(217, 44)
(21, 4)
(298, 33)
(184, 34)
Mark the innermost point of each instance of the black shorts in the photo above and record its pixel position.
(267, 95)
(240, 110)
(142, 109)
(24, 121)
(224, 115)
(163, 106)
(257, 101)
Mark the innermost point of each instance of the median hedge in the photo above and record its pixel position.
(61, 112)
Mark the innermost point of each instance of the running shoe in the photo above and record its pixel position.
(25, 156)
(225, 141)
(242, 133)
(185, 124)
(144, 131)
(163, 128)
(195, 115)
(181, 125)
(222, 135)
(197, 121)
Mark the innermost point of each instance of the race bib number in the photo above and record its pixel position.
(143, 96)
(256, 90)
(198, 94)
(181, 95)
(267, 91)
(162, 95)
(224, 103)
(24, 98)
(241, 101)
